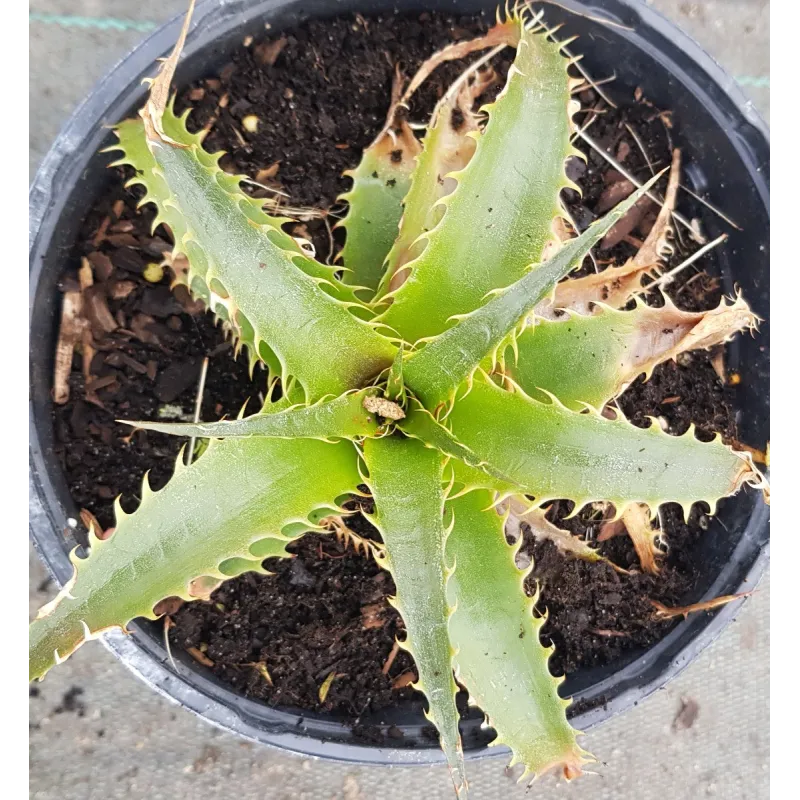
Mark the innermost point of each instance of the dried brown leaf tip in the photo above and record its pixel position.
(543, 530)
(615, 286)
(644, 535)
(664, 612)
(503, 33)
(158, 98)
(348, 537)
(665, 333)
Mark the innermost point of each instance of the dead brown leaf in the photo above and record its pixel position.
(644, 536)
(372, 615)
(266, 54)
(199, 656)
(404, 679)
(664, 612)
(501, 33)
(520, 511)
(69, 335)
(160, 87)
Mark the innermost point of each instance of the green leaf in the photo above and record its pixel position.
(446, 149)
(406, 482)
(380, 182)
(499, 657)
(498, 220)
(238, 493)
(342, 418)
(555, 453)
(395, 384)
(592, 359)
(443, 363)
(282, 303)
(420, 424)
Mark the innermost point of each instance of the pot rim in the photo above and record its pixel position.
(201, 695)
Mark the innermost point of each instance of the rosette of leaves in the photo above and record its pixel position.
(426, 366)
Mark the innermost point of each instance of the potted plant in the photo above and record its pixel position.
(445, 381)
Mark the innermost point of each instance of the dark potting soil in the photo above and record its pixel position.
(320, 93)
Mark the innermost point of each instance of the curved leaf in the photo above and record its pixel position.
(382, 180)
(238, 493)
(446, 149)
(406, 481)
(498, 220)
(280, 302)
(499, 657)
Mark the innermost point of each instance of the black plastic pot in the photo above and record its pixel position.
(726, 152)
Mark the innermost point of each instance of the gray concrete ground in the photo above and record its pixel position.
(119, 740)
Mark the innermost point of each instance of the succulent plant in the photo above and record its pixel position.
(448, 363)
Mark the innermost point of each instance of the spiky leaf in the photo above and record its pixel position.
(498, 220)
(519, 510)
(592, 359)
(435, 371)
(250, 270)
(420, 424)
(499, 657)
(447, 148)
(344, 417)
(557, 453)
(239, 492)
(406, 480)
(380, 182)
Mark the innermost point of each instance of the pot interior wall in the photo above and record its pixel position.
(724, 157)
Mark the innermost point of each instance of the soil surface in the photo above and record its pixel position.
(320, 93)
